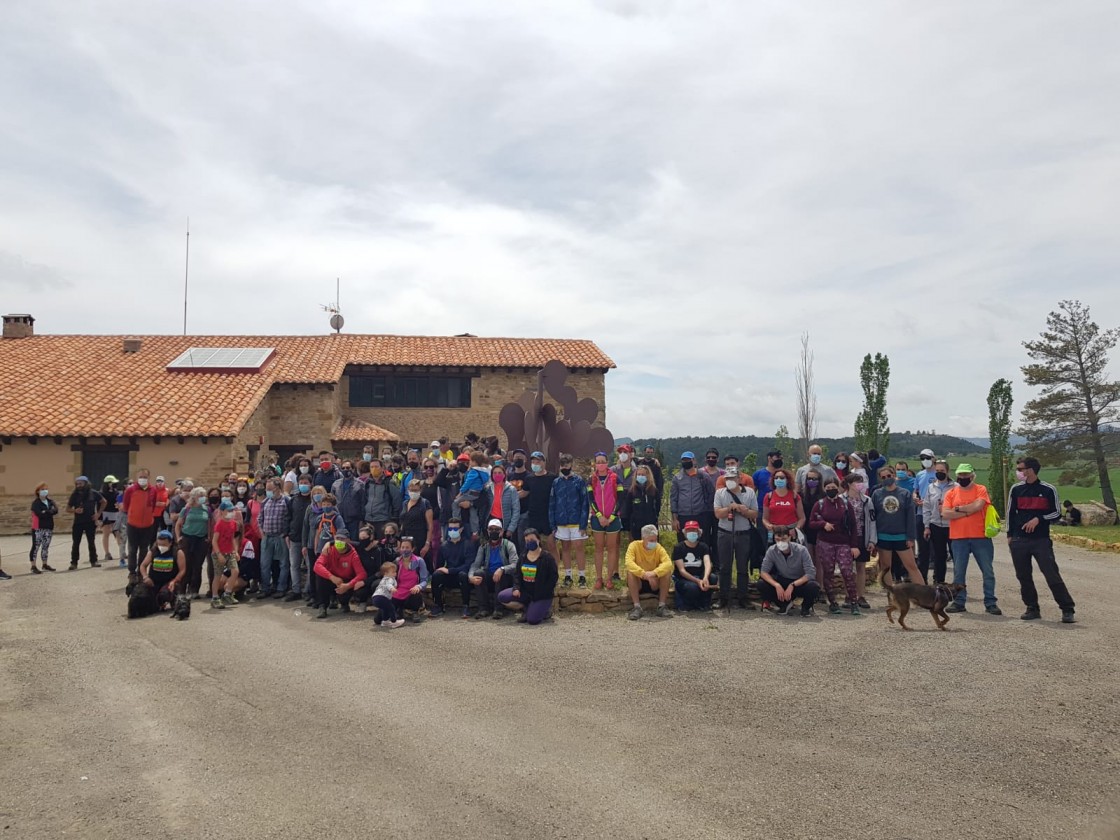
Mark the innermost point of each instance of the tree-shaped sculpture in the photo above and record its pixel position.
(535, 425)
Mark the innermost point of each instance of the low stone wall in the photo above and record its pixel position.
(1084, 542)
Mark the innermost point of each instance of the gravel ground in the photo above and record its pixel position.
(257, 722)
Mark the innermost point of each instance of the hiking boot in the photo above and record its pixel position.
(955, 608)
(567, 584)
(437, 611)
(346, 608)
(783, 608)
(993, 610)
(498, 615)
(582, 582)
(1067, 617)
(417, 618)
(521, 619)
(263, 595)
(35, 570)
(216, 603)
(663, 611)
(635, 613)
(292, 596)
(48, 568)
(227, 599)
(854, 610)
(322, 613)
(1032, 614)
(834, 608)
(73, 565)
(716, 604)
(862, 603)
(807, 611)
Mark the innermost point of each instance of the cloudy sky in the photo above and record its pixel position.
(690, 184)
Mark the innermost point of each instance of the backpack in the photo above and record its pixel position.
(328, 526)
(992, 522)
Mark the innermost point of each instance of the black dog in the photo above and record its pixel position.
(182, 608)
(142, 600)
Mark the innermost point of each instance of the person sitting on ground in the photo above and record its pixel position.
(1071, 516)
(692, 573)
(383, 598)
(649, 569)
(164, 568)
(412, 577)
(492, 570)
(788, 573)
(534, 582)
(339, 573)
(455, 557)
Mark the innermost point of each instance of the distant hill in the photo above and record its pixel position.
(904, 446)
(1014, 440)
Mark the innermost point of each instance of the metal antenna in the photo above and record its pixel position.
(186, 274)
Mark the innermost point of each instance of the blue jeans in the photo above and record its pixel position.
(273, 549)
(981, 548)
(295, 558)
(689, 596)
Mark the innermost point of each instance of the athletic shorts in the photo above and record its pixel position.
(109, 518)
(891, 545)
(647, 589)
(225, 561)
(569, 533)
(612, 527)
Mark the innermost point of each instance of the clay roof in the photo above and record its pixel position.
(350, 428)
(86, 385)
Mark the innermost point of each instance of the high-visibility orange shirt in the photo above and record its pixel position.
(971, 526)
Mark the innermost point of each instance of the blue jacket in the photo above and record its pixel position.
(569, 503)
(456, 556)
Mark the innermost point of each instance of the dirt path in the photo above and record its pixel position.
(258, 723)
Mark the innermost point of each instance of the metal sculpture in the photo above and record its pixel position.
(535, 425)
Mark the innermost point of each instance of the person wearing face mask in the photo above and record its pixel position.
(383, 504)
(893, 511)
(225, 545)
(935, 527)
(164, 568)
(811, 493)
(298, 504)
(412, 577)
(692, 572)
(110, 488)
(492, 570)
(763, 478)
(624, 471)
(817, 465)
(178, 501)
(43, 512)
(505, 504)
(449, 477)
(163, 498)
(537, 489)
(339, 573)
(691, 496)
(192, 533)
(965, 507)
(139, 506)
(840, 463)
(605, 521)
(837, 545)
(736, 511)
(534, 582)
(475, 498)
(274, 522)
(860, 503)
(711, 466)
(456, 557)
(782, 506)
(1032, 507)
(351, 495)
(327, 473)
(412, 469)
(787, 573)
(642, 503)
(649, 459)
(922, 481)
(418, 520)
(568, 509)
(649, 569)
(856, 461)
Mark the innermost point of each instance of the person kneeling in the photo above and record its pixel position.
(338, 571)
(648, 569)
(455, 558)
(534, 582)
(492, 570)
(788, 573)
(163, 569)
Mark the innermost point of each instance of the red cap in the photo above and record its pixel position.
(692, 523)
(625, 448)
(463, 457)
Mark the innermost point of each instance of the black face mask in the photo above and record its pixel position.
(494, 535)
(347, 473)
(941, 476)
(686, 465)
(777, 463)
(565, 471)
(391, 539)
(711, 462)
(519, 462)
(831, 492)
(964, 480)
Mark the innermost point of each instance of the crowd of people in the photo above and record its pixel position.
(385, 529)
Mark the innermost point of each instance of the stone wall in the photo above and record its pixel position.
(489, 393)
(302, 414)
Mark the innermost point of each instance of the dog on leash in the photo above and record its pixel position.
(182, 608)
(932, 598)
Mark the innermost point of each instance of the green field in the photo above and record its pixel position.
(1050, 474)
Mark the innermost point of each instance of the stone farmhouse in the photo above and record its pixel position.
(201, 406)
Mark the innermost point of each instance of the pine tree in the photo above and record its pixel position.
(1078, 408)
(872, 426)
(999, 438)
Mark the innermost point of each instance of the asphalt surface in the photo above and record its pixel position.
(257, 722)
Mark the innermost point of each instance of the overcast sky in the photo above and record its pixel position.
(691, 185)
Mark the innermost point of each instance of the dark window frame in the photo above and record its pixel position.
(410, 390)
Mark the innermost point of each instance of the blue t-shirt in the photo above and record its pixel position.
(495, 559)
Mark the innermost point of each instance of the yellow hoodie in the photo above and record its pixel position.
(640, 559)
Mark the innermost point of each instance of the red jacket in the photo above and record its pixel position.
(347, 566)
(139, 505)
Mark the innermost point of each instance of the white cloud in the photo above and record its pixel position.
(692, 185)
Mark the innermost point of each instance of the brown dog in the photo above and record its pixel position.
(932, 598)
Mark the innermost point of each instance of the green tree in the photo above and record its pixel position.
(1078, 407)
(749, 463)
(784, 443)
(999, 435)
(872, 427)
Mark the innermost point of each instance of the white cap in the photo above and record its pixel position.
(159, 478)
(928, 452)
(494, 523)
(434, 444)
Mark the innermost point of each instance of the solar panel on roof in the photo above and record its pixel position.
(236, 359)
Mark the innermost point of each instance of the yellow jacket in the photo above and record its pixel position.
(640, 559)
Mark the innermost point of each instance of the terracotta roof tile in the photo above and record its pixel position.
(350, 428)
(75, 385)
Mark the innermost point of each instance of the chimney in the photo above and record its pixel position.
(18, 326)
(132, 345)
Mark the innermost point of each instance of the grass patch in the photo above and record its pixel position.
(1101, 533)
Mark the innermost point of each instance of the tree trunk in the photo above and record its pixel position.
(1102, 469)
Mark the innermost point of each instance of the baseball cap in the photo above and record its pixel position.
(774, 453)
(163, 535)
(927, 451)
(687, 455)
(494, 523)
(625, 447)
(964, 469)
(84, 478)
(463, 457)
(112, 479)
(343, 533)
(537, 454)
(160, 478)
(692, 523)
(434, 444)
(522, 451)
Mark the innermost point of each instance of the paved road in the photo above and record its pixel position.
(260, 723)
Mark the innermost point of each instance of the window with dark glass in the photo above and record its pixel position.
(410, 391)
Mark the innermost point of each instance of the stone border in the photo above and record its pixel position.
(1085, 542)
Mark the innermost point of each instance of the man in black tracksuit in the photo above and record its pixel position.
(1032, 507)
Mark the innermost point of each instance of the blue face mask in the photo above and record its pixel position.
(453, 533)
(318, 497)
(692, 536)
(537, 468)
(814, 459)
(367, 456)
(304, 489)
(641, 479)
(531, 545)
(779, 482)
(226, 504)
(268, 494)
(650, 546)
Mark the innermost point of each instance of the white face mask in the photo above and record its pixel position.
(783, 545)
(733, 486)
(304, 470)
(623, 457)
(414, 494)
(143, 482)
(927, 463)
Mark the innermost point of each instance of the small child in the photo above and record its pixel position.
(383, 598)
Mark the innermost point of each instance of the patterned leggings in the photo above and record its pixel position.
(40, 541)
(830, 555)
